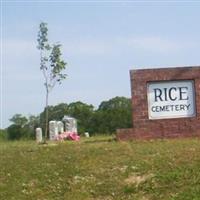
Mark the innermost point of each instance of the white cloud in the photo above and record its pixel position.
(19, 48)
(151, 44)
(116, 45)
(88, 47)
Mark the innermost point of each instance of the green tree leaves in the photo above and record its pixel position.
(22, 127)
(19, 120)
(42, 37)
(57, 66)
(51, 63)
(113, 114)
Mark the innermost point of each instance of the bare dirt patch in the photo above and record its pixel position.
(137, 179)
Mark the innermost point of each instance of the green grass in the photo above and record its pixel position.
(99, 168)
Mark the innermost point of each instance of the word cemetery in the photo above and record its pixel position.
(165, 103)
(171, 99)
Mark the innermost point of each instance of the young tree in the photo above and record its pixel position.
(51, 65)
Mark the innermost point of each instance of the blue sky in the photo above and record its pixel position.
(101, 42)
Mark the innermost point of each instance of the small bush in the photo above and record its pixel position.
(16, 132)
(3, 134)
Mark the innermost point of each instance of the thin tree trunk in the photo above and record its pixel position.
(47, 115)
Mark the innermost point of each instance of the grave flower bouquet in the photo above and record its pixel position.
(67, 136)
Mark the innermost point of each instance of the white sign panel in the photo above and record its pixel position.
(171, 99)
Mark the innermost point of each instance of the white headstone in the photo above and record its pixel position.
(53, 130)
(38, 132)
(70, 124)
(87, 134)
(60, 127)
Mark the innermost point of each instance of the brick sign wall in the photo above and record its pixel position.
(165, 103)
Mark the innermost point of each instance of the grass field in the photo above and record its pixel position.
(99, 168)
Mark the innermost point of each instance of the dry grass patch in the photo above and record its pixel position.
(138, 179)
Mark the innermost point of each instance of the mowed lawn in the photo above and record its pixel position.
(100, 168)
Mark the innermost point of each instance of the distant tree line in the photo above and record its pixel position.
(109, 116)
